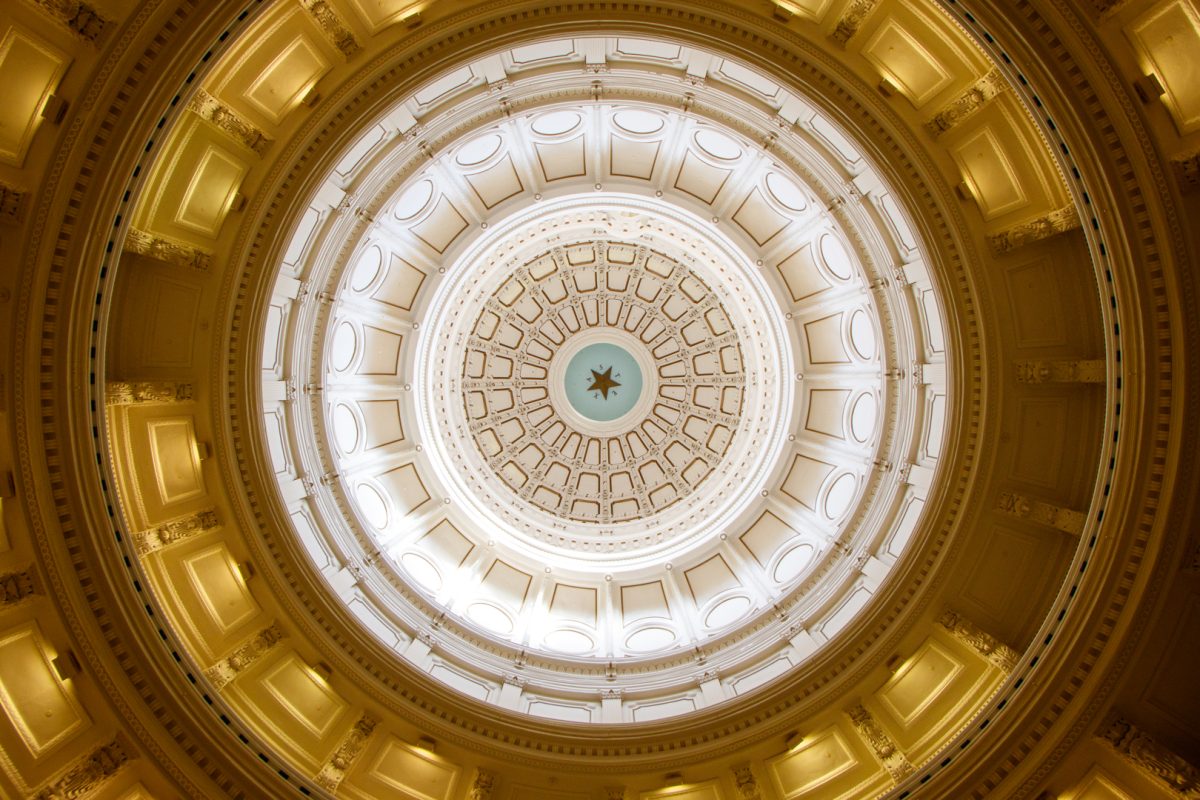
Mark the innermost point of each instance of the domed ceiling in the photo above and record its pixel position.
(679, 401)
(594, 387)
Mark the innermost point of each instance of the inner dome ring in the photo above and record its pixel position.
(684, 246)
(565, 368)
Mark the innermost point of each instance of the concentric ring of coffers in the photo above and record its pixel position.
(712, 430)
(763, 591)
(526, 416)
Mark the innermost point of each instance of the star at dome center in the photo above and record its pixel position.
(603, 382)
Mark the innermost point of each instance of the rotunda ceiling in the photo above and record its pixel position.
(727, 376)
(605, 384)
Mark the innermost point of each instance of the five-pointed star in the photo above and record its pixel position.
(603, 382)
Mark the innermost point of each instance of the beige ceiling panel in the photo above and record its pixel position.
(813, 10)
(1172, 691)
(756, 217)
(920, 681)
(804, 479)
(576, 603)
(829, 763)
(1167, 38)
(542, 51)
(566, 712)
(520, 791)
(931, 319)
(496, 184)
(379, 14)
(761, 674)
(214, 578)
(1040, 434)
(647, 48)
(175, 458)
(764, 538)
(30, 70)
(460, 681)
(991, 171)
(274, 429)
(703, 791)
(1036, 300)
(445, 87)
(801, 275)
(1007, 579)
(295, 703)
(751, 81)
(274, 67)
(826, 344)
(643, 600)
(193, 186)
(398, 768)
(827, 412)
(648, 712)
(561, 159)
(404, 486)
(901, 57)
(1097, 785)
(700, 179)
(1004, 163)
(381, 422)
(381, 352)
(935, 424)
(442, 225)
(506, 584)
(285, 81)
(158, 328)
(40, 705)
(356, 158)
(709, 579)
(926, 697)
(632, 159)
(446, 545)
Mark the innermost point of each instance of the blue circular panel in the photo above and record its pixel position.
(602, 381)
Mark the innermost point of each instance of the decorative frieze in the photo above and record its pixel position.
(1076, 371)
(229, 121)
(988, 646)
(1066, 520)
(83, 20)
(17, 586)
(12, 203)
(1187, 172)
(747, 785)
(89, 772)
(856, 13)
(885, 749)
(127, 393)
(176, 530)
(1035, 230)
(348, 750)
(1149, 756)
(1104, 7)
(966, 104)
(228, 668)
(168, 252)
(481, 787)
(332, 26)
(1192, 562)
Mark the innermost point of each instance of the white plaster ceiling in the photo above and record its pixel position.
(446, 235)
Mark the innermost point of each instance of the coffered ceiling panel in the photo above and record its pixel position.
(30, 70)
